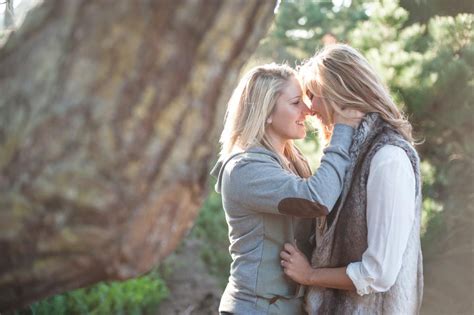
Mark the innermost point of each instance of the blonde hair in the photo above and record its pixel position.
(340, 77)
(249, 107)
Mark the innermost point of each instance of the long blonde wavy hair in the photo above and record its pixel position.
(340, 77)
(248, 109)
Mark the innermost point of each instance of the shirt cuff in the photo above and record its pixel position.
(362, 284)
(342, 136)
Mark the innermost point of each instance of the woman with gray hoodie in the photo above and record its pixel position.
(269, 195)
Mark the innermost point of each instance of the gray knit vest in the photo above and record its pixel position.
(341, 237)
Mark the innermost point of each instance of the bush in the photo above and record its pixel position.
(211, 228)
(135, 296)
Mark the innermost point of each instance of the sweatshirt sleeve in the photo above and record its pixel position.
(262, 185)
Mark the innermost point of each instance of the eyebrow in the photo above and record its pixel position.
(297, 96)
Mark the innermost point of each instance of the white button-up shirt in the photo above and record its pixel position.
(390, 218)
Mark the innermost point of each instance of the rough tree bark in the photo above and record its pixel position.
(109, 116)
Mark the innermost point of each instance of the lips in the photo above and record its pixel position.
(300, 123)
(317, 115)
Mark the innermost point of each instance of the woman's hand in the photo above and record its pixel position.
(349, 117)
(295, 265)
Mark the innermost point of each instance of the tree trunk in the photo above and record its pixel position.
(109, 117)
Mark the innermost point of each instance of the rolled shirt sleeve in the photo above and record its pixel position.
(390, 218)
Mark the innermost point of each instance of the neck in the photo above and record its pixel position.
(277, 142)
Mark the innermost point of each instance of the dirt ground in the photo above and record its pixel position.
(192, 290)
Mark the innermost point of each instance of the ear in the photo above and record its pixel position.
(269, 120)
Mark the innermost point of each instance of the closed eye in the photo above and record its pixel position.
(296, 101)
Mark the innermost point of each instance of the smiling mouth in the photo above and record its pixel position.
(300, 123)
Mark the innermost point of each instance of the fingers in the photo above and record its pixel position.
(285, 255)
(286, 266)
(289, 248)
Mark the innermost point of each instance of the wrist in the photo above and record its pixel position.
(313, 277)
(342, 136)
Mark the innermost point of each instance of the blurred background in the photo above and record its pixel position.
(424, 51)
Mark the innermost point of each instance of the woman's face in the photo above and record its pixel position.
(318, 108)
(287, 119)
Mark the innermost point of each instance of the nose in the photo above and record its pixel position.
(311, 105)
(305, 110)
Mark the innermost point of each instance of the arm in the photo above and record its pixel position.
(262, 185)
(390, 215)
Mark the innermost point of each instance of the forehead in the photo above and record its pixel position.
(309, 75)
(292, 87)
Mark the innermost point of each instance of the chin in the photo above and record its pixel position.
(301, 136)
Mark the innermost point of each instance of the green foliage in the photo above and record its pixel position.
(211, 227)
(136, 296)
(300, 26)
(422, 11)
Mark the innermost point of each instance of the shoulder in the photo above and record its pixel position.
(391, 158)
(251, 164)
(390, 154)
(251, 157)
(247, 173)
(256, 155)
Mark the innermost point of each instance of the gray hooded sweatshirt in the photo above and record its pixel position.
(264, 206)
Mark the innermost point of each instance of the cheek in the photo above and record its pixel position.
(284, 115)
(315, 104)
(329, 114)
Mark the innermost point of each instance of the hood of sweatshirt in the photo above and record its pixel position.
(218, 169)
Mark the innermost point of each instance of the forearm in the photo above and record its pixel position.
(258, 182)
(327, 181)
(334, 278)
